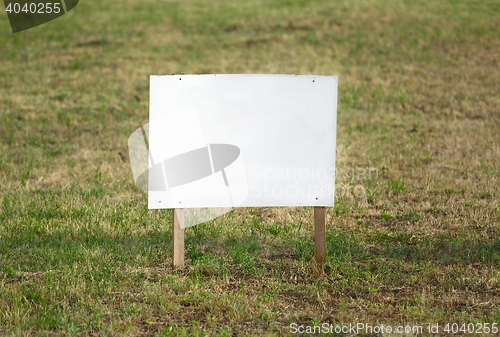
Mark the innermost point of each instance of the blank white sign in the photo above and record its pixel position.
(241, 140)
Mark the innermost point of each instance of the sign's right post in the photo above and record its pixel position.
(320, 233)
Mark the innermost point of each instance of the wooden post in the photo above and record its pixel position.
(320, 233)
(178, 239)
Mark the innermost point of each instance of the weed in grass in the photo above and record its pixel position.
(372, 195)
(410, 217)
(193, 253)
(340, 207)
(385, 215)
(396, 186)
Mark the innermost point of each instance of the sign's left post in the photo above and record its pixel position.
(178, 238)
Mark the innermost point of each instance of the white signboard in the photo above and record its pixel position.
(241, 141)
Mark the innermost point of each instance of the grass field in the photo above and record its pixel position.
(414, 237)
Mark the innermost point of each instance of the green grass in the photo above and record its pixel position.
(414, 233)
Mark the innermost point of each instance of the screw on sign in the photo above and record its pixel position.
(26, 14)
